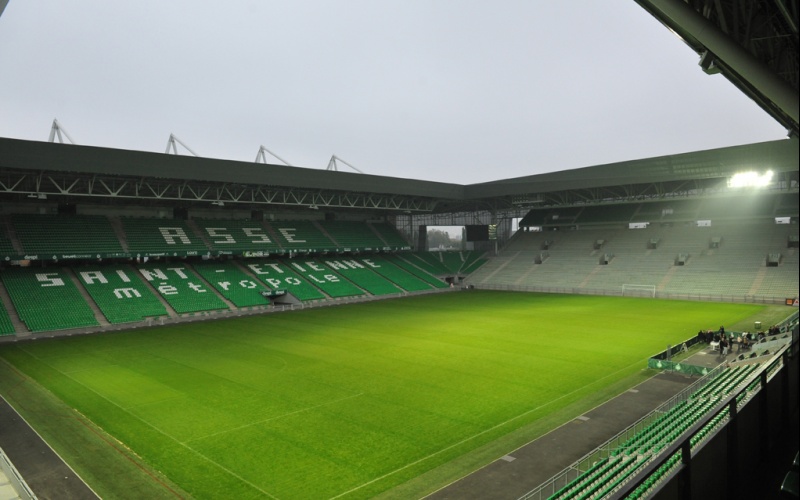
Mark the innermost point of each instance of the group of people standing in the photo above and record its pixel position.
(725, 341)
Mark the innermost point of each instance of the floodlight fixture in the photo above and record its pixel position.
(750, 179)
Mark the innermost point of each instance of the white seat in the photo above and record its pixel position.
(714, 346)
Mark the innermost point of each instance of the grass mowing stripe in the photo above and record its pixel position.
(439, 377)
(498, 426)
(168, 436)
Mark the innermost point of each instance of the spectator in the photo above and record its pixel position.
(723, 346)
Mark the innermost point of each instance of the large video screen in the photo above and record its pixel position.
(478, 233)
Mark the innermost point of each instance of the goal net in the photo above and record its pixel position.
(631, 290)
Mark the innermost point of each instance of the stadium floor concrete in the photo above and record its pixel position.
(41, 467)
(524, 469)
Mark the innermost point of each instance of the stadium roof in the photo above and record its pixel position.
(29, 168)
(753, 43)
(715, 164)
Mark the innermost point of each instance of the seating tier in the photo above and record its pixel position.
(47, 299)
(352, 236)
(277, 275)
(237, 236)
(429, 261)
(324, 278)
(301, 236)
(6, 327)
(58, 235)
(608, 473)
(157, 237)
(362, 275)
(473, 261)
(120, 293)
(399, 276)
(391, 236)
(181, 288)
(232, 283)
(452, 261)
(724, 259)
(412, 269)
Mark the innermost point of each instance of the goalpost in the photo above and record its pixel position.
(633, 290)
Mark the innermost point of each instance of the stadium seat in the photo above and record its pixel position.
(353, 236)
(400, 276)
(362, 275)
(277, 275)
(47, 299)
(181, 288)
(237, 236)
(160, 237)
(61, 236)
(120, 294)
(301, 236)
(6, 327)
(324, 278)
(390, 236)
(232, 283)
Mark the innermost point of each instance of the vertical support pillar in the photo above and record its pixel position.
(733, 451)
(422, 239)
(785, 394)
(763, 419)
(685, 477)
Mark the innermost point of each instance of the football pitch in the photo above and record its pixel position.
(381, 398)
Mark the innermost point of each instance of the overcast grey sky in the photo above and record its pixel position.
(453, 91)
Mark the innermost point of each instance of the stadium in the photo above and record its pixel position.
(176, 326)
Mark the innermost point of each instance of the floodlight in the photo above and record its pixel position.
(750, 179)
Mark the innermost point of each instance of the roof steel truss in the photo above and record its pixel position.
(121, 187)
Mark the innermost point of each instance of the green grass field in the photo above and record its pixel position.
(394, 397)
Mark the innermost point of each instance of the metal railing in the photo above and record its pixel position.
(730, 402)
(747, 299)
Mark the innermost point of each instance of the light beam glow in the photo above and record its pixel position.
(750, 179)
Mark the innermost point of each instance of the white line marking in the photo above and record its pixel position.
(501, 424)
(222, 467)
(276, 417)
(43, 439)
